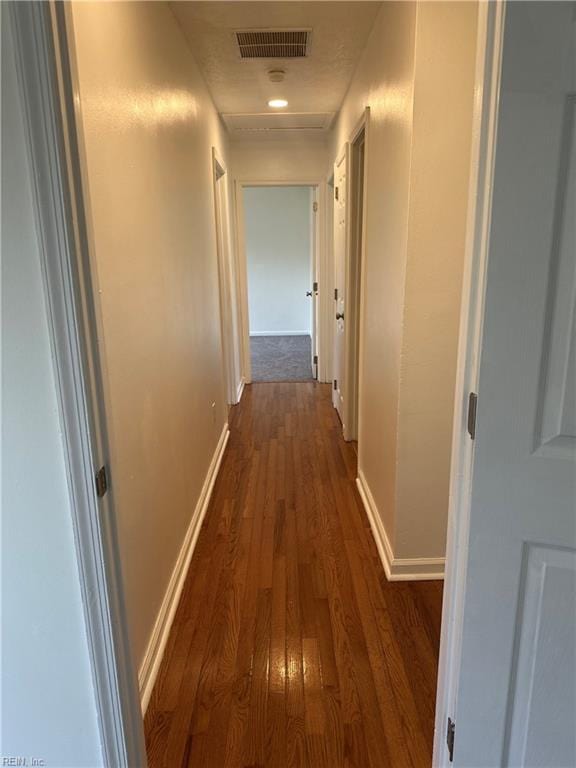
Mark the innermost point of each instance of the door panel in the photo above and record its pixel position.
(516, 700)
(340, 238)
(314, 324)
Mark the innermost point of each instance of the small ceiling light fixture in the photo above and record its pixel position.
(277, 103)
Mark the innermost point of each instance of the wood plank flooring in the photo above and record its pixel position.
(289, 647)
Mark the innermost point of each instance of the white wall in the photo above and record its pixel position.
(48, 707)
(416, 75)
(277, 234)
(149, 126)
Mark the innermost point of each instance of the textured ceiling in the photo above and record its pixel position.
(315, 84)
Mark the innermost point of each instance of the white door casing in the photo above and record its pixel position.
(340, 249)
(314, 279)
(353, 279)
(515, 697)
(227, 286)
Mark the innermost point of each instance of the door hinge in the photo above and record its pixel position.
(336, 193)
(335, 294)
(101, 481)
(315, 287)
(315, 359)
(335, 384)
(315, 206)
(472, 408)
(450, 733)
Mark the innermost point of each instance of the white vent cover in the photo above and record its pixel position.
(286, 121)
(273, 43)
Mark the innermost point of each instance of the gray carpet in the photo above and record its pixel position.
(281, 358)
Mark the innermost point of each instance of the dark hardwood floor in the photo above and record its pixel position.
(289, 647)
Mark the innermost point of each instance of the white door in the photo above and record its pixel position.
(313, 292)
(340, 238)
(516, 692)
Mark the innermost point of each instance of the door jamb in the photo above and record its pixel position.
(320, 243)
(325, 371)
(342, 157)
(44, 64)
(354, 277)
(484, 127)
(227, 295)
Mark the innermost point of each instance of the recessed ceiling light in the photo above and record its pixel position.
(277, 103)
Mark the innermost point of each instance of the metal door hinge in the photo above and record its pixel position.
(336, 193)
(335, 294)
(315, 359)
(315, 206)
(315, 287)
(101, 481)
(335, 384)
(472, 408)
(450, 733)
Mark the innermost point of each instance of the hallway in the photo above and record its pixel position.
(289, 647)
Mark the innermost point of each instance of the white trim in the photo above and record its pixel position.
(280, 333)
(325, 360)
(45, 68)
(226, 276)
(240, 390)
(484, 127)
(354, 271)
(396, 568)
(338, 399)
(159, 637)
(239, 185)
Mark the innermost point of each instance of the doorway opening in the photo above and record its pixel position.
(278, 245)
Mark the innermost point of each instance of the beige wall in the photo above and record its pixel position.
(149, 126)
(296, 159)
(416, 75)
(384, 82)
(443, 102)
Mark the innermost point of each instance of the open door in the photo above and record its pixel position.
(514, 700)
(340, 248)
(313, 292)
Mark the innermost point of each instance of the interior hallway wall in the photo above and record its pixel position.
(149, 126)
(276, 159)
(440, 169)
(417, 76)
(277, 234)
(48, 704)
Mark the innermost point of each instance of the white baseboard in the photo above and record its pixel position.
(159, 637)
(396, 569)
(280, 333)
(240, 389)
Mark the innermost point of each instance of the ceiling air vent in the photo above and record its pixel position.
(273, 43)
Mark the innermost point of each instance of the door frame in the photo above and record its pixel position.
(226, 281)
(491, 18)
(45, 68)
(326, 369)
(354, 272)
(318, 255)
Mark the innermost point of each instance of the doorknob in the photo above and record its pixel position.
(339, 315)
(308, 293)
